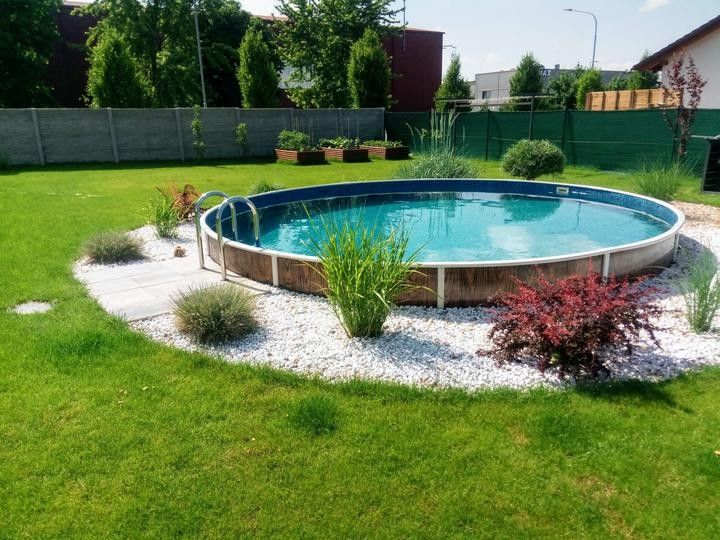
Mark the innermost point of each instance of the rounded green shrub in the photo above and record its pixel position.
(216, 313)
(529, 159)
(317, 414)
(113, 247)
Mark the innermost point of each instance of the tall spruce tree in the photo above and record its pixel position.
(453, 86)
(369, 72)
(526, 81)
(114, 78)
(257, 75)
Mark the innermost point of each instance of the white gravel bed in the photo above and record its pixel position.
(154, 248)
(428, 347)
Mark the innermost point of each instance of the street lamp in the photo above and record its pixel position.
(195, 9)
(595, 35)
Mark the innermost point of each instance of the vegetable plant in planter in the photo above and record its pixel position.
(387, 149)
(295, 146)
(344, 149)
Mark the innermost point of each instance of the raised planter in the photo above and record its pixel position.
(399, 152)
(304, 157)
(348, 155)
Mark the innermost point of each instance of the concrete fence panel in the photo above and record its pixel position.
(32, 137)
(75, 135)
(146, 134)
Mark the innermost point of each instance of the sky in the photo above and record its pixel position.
(490, 36)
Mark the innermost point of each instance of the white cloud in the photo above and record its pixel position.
(652, 5)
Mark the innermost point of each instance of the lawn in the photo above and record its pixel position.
(105, 433)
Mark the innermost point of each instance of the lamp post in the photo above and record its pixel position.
(195, 9)
(594, 36)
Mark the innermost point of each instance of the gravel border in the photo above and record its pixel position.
(428, 347)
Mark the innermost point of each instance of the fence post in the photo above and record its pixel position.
(181, 147)
(487, 134)
(532, 117)
(113, 139)
(564, 127)
(38, 139)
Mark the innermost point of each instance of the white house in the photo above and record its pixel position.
(703, 44)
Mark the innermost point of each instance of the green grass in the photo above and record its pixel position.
(106, 434)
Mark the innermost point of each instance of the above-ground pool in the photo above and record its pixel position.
(472, 235)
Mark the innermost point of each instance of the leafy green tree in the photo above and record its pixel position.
(27, 36)
(590, 81)
(618, 82)
(369, 72)
(641, 80)
(114, 78)
(453, 86)
(160, 35)
(257, 76)
(562, 90)
(316, 40)
(527, 80)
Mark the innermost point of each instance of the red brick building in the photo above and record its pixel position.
(416, 61)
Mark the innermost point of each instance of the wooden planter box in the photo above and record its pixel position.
(352, 155)
(401, 152)
(306, 157)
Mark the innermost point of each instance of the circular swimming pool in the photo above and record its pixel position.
(472, 235)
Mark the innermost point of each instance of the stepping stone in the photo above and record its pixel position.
(27, 308)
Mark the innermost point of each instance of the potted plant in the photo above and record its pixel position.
(387, 149)
(344, 149)
(295, 146)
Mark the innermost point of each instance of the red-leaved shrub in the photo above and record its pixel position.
(183, 201)
(568, 323)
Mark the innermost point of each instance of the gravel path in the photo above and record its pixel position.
(436, 348)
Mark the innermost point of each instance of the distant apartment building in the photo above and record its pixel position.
(494, 86)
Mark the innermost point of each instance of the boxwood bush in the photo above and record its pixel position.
(529, 159)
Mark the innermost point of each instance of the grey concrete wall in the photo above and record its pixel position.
(38, 136)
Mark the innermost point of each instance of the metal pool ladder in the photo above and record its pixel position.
(227, 202)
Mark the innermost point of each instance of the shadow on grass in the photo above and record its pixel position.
(632, 391)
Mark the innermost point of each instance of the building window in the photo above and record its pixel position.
(485, 94)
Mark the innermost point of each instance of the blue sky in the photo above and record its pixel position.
(494, 35)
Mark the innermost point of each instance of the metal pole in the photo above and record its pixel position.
(199, 51)
(532, 117)
(592, 65)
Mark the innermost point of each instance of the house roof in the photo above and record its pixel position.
(655, 61)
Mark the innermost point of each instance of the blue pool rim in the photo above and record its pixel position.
(631, 201)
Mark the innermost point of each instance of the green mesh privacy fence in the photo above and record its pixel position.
(607, 140)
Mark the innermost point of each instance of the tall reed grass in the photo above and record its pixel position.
(366, 271)
(701, 290)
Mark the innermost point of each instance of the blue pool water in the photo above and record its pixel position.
(463, 226)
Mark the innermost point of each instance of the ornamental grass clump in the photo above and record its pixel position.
(529, 159)
(701, 290)
(162, 215)
(437, 155)
(661, 180)
(570, 323)
(264, 186)
(113, 247)
(318, 415)
(366, 271)
(215, 314)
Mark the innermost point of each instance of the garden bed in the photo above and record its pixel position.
(347, 155)
(431, 347)
(390, 153)
(303, 157)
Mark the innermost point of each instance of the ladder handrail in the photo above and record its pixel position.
(218, 226)
(198, 228)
